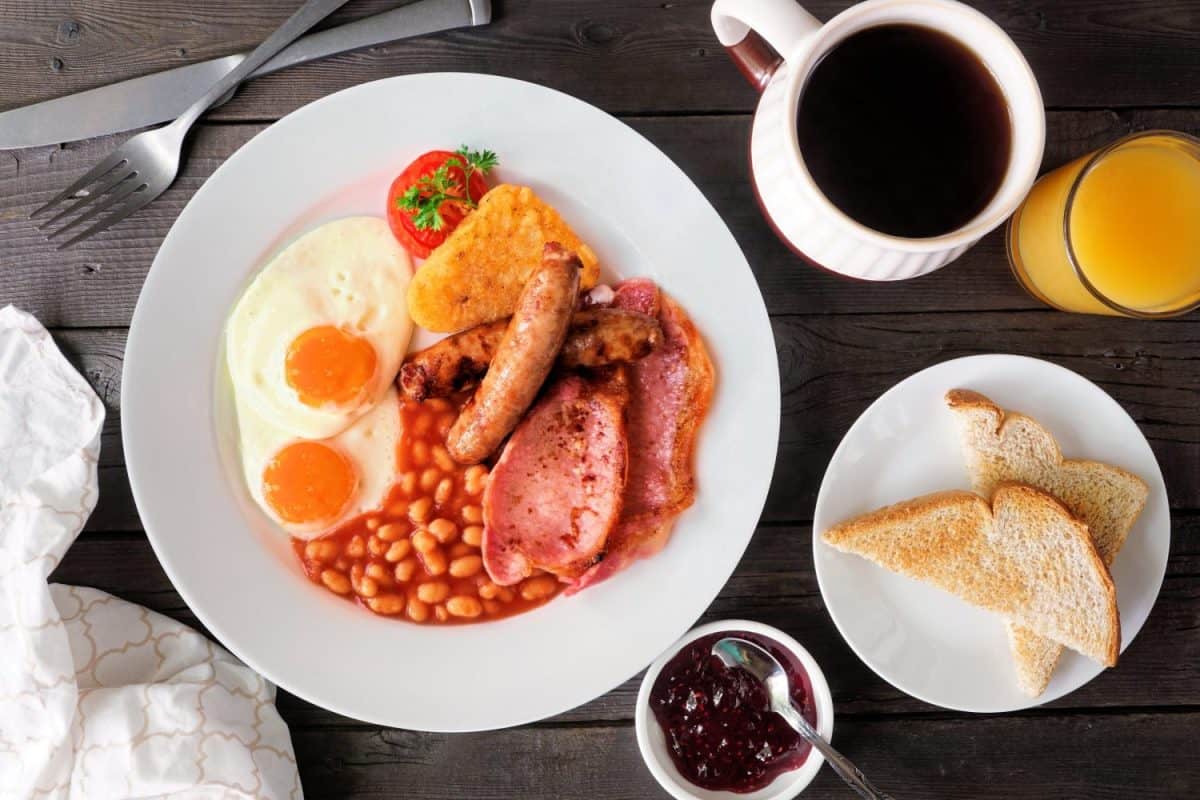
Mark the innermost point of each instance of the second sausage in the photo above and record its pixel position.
(523, 358)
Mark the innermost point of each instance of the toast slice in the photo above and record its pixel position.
(1023, 557)
(1001, 447)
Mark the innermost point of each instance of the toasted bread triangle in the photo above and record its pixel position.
(1002, 446)
(1023, 557)
(1005, 447)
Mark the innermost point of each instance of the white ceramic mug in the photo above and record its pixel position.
(776, 44)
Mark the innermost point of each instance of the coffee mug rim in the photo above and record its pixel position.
(799, 65)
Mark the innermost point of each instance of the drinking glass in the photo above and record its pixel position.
(1116, 231)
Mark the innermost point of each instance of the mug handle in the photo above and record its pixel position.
(760, 34)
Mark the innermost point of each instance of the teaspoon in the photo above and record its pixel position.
(735, 652)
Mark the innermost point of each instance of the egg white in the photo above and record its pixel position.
(369, 444)
(351, 274)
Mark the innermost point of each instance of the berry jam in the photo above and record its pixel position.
(717, 721)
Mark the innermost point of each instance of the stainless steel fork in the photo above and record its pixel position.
(142, 168)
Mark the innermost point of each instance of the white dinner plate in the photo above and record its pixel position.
(924, 641)
(337, 157)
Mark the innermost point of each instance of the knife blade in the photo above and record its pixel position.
(162, 96)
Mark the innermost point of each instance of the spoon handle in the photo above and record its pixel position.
(843, 766)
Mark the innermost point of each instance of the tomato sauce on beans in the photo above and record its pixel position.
(419, 557)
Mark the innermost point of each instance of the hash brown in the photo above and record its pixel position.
(477, 274)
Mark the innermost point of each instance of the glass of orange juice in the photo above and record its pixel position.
(1116, 231)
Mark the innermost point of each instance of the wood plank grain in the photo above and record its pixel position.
(626, 56)
(975, 758)
(97, 283)
(774, 583)
(833, 367)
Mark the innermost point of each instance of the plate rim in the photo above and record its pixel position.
(135, 468)
(818, 545)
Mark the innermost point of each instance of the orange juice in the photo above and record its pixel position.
(1116, 232)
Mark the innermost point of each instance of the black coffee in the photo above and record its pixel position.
(905, 130)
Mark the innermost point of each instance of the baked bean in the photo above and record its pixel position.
(443, 530)
(321, 550)
(466, 566)
(417, 611)
(430, 478)
(435, 562)
(441, 457)
(537, 587)
(419, 556)
(388, 604)
(433, 592)
(422, 424)
(464, 606)
(379, 573)
(335, 581)
(473, 535)
(475, 479)
(392, 531)
(405, 570)
(424, 541)
(398, 551)
(419, 510)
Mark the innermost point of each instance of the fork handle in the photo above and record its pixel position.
(308, 15)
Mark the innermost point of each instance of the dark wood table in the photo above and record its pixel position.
(1106, 67)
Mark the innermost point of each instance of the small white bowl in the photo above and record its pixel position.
(652, 742)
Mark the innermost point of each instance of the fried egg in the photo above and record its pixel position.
(308, 486)
(317, 338)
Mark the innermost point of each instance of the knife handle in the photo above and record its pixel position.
(308, 15)
(414, 19)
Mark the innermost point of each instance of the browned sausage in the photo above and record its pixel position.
(523, 358)
(453, 364)
(602, 336)
(597, 337)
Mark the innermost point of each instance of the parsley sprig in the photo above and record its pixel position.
(426, 197)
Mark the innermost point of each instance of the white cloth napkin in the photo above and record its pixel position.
(100, 698)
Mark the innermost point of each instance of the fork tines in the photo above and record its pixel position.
(118, 181)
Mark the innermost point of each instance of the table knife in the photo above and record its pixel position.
(150, 99)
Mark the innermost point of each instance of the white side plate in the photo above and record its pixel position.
(924, 641)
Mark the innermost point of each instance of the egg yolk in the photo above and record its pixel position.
(308, 482)
(326, 365)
